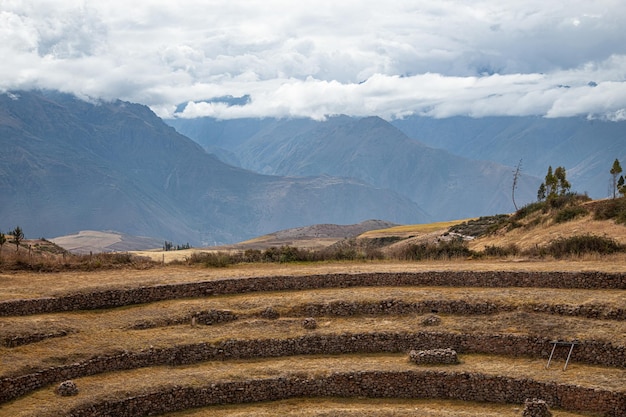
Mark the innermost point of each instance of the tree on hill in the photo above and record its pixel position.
(551, 183)
(616, 169)
(516, 174)
(563, 185)
(541, 192)
(18, 236)
(555, 184)
(3, 240)
(621, 186)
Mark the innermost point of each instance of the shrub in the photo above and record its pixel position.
(570, 213)
(568, 199)
(528, 209)
(285, 254)
(479, 227)
(252, 255)
(344, 250)
(578, 245)
(612, 209)
(455, 248)
(210, 259)
(501, 251)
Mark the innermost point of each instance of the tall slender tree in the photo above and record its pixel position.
(551, 183)
(563, 185)
(541, 192)
(3, 240)
(616, 169)
(18, 236)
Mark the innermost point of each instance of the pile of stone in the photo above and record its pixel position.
(431, 320)
(434, 357)
(309, 323)
(67, 389)
(270, 313)
(534, 407)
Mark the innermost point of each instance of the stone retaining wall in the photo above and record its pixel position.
(371, 384)
(205, 317)
(458, 307)
(25, 339)
(121, 297)
(12, 387)
(472, 387)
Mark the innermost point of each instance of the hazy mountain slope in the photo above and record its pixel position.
(586, 148)
(68, 165)
(374, 151)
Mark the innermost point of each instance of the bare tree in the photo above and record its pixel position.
(516, 175)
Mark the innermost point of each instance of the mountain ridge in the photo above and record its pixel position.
(371, 150)
(586, 148)
(117, 166)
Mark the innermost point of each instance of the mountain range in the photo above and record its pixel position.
(369, 149)
(69, 165)
(453, 168)
(585, 147)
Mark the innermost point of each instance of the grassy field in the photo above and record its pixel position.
(102, 332)
(366, 408)
(30, 285)
(112, 385)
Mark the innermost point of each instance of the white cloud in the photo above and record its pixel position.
(439, 58)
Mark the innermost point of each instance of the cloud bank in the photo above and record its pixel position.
(438, 58)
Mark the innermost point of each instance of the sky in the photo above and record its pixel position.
(437, 58)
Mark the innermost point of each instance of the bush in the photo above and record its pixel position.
(209, 259)
(570, 213)
(578, 245)
(285, 254)
(528, 210)
(479, 227)
(569, 199)
(612, 209)
(501, 251)
(558, 202)
(455, 248)
(47, 260)
(344, 250)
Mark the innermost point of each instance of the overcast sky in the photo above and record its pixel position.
(315, 58)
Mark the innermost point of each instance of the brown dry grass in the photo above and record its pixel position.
(95, 332)
(412, 229)
(33, 285)
(543, 233)
(360, 407)
(115, 384)
(106, 331)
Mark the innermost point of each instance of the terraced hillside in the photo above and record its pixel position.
(312, 342)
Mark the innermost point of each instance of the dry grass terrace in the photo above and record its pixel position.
(102, 332)
(33, 285)
(44, 403)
